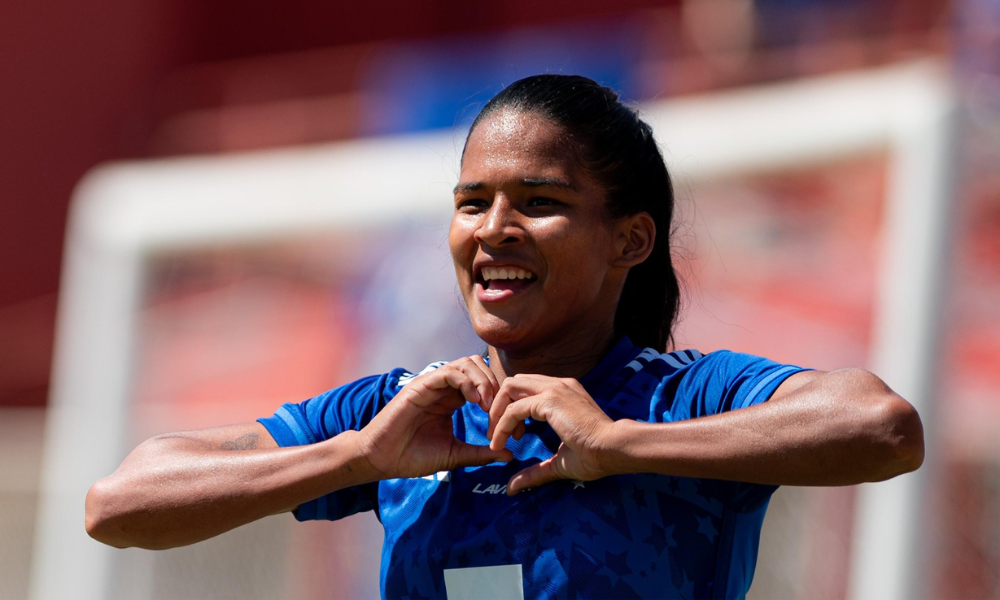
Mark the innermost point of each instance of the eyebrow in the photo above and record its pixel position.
(530, 182)
(468, 187)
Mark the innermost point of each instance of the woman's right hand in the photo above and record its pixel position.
(413, 435)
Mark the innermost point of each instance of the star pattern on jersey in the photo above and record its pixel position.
(706, 527)
(607, 505)
(586, 528)
(687, 587)
(660, 538)
(605, 538)
(488, 548)
(615, 566)
(416, 595)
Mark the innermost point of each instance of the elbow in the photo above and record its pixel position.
(99, 519)
(901, 435)
(115, 517)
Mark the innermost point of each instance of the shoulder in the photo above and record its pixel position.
(349, 406)
(694, 365)
(688, 383)
(654, 361)
(382, 387)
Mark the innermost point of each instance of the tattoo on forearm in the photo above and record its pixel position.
(244, 442)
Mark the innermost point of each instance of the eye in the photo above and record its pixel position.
(543, 201)
(470, 204)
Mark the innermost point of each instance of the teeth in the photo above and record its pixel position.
(491, 273)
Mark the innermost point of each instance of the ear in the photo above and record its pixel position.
(634, 235)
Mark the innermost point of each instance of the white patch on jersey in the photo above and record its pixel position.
(405, 379)
(503, 582)
(443, 476)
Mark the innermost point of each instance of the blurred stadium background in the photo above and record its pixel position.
(781, 263)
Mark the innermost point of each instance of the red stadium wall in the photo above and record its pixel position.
(81, 83)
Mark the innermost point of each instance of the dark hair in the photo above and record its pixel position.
(618, 150)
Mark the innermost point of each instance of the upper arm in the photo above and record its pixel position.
(240, 436)
(863, 406)
(793, 383)
(236, 437)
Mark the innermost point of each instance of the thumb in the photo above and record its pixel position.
(471, 455)
(533, 476)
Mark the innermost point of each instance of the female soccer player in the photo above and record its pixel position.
(576, 458)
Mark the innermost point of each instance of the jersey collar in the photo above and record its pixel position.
(622, 353)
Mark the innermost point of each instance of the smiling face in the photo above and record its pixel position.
(538, 259)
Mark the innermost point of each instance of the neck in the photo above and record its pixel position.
(571, 356)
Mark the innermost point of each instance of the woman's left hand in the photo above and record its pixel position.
(568, 408)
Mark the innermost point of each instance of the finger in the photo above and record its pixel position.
(533, 476)
(529, 384)
(516, 388)
(466, 378)
(515, 415)
(503, 400)
(512, 389)
(481, 377)
(471, 455)
(490, 391)
(497, 409)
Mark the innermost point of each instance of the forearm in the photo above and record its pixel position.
(173, 491)
(839, 428)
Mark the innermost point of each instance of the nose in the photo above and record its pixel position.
(500, 226)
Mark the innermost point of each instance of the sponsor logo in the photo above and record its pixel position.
(493, 488)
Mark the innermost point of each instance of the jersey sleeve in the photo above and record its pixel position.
(349, 407)
(723, 381)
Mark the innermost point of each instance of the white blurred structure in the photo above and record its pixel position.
(125, 214)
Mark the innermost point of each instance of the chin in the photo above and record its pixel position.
(499, 333)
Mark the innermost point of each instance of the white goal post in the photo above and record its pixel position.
(125, 214)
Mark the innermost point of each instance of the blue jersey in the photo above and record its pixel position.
(628, 536)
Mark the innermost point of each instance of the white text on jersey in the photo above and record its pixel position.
(492, 489)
